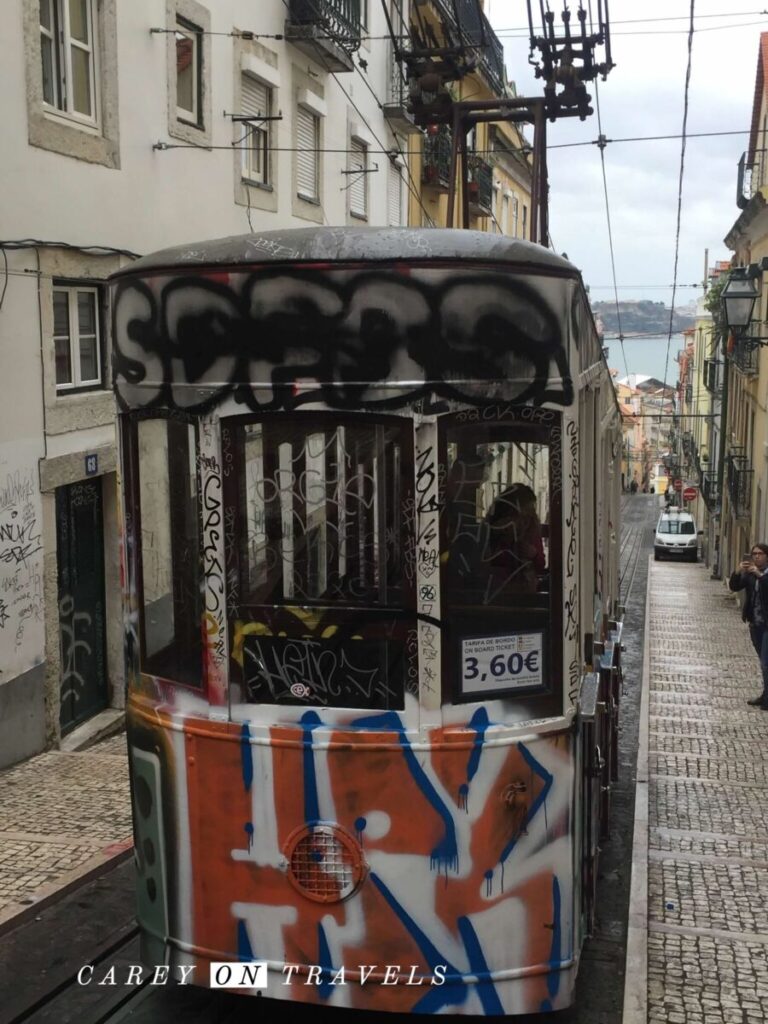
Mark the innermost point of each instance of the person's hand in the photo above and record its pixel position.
(745, 566)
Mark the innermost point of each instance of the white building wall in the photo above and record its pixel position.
(111, 186)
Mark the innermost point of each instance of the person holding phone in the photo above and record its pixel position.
(752, 578)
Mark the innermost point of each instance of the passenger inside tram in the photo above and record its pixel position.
(515, 545)
(496, 544)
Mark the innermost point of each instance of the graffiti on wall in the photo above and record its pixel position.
(21, 562)
(354, 340)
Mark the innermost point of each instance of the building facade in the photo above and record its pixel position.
(131, 127)
(745, 462)
(135, 126)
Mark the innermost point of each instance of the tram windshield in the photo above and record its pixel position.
(321, 505)
(320, 538)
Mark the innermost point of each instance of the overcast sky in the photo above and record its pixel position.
(643, 95)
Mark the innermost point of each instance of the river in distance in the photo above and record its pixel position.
(646, 356)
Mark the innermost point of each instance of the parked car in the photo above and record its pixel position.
(676, 536)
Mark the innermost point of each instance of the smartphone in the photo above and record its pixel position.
(747, 556)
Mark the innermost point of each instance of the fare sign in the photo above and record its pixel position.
(690, 494)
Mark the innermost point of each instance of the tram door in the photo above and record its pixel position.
(80, 546)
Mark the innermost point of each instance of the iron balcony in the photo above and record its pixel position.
(327, 32)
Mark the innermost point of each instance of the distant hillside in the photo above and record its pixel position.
(640, 317)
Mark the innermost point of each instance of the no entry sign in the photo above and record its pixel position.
(689, 494)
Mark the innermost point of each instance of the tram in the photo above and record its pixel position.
(371, 495)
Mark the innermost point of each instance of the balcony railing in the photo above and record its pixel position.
(436, 159)
(745, 358)
(474, 29)
(395, 108)
(328, 32)
(739, 479)
(480, 186)
(710, 490)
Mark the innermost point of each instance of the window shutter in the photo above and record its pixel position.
(307, 157)
(395, 196)
(255, 97)
(358, 190)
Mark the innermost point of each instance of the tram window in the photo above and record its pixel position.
(497, 545)
(170, 551)
(322, 511)
(496, 520)
(321, 525)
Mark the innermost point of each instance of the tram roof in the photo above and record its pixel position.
(354, 245)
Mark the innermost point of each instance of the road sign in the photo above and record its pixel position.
(690, 494)
(678, 485)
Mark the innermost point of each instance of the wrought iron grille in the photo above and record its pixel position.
(480, 183)
(339, 19)
(474, 30)
(436, 158)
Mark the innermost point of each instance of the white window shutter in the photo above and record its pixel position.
(358, 189)
(307, 157)
(395, 196)
(255, 97)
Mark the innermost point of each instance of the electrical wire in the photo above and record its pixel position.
(650, 138)
(686, 91)
(610, 230)
(479, 152)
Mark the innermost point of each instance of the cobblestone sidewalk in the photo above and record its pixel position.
(62, 815)
(708, 823)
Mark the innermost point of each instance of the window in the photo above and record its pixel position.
(395, 195)
(499, 528)
(76, 338)
(256, 103)
(307, 154)
(315, 512)
(525, 221)
(505, 213)
(515, 215)
(358, 185)
(188, 78)
(68, 56)
(170, 551)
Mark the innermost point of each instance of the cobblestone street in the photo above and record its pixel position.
(61, 814)
(708, 835)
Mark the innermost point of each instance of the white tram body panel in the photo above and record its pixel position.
(371, 602)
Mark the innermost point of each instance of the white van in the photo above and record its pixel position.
(676, 536)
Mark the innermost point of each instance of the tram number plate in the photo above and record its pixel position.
(510, 662)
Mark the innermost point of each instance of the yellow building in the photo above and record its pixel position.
(745, 480)
(499, 159)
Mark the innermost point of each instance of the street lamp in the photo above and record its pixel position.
(738, 298)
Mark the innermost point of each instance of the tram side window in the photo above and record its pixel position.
(170, 551)
(497, 513)
(497, 548)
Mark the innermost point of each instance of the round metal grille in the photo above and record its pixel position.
(324, 863)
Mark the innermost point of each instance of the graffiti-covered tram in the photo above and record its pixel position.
(371, 487)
